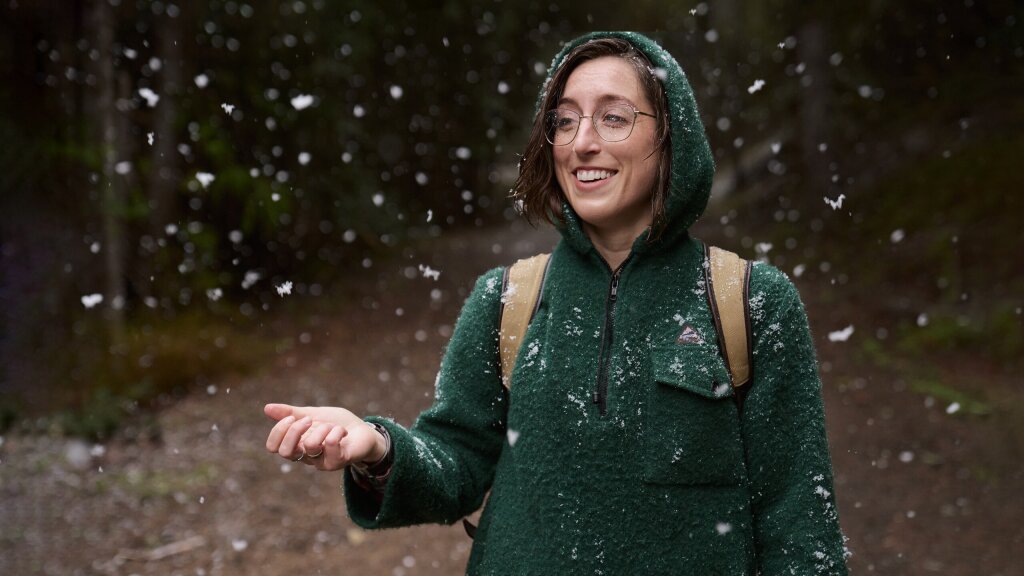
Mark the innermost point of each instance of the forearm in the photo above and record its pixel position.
(429, 480)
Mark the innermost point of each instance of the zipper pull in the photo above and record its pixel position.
(615, 285)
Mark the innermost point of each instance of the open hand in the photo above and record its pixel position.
(326, 437)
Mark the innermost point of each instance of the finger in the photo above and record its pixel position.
(332, 455)
(290, 447)
(277, 433)
(312, 440)
(279, 411)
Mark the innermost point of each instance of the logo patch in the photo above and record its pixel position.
(689, 335)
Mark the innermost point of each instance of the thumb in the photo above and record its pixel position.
(279, 411)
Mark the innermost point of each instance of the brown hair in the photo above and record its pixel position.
(536, 190)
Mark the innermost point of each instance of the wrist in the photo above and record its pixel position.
(380, 448)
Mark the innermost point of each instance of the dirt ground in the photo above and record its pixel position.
(920, 491)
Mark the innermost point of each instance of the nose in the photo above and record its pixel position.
(587, 140)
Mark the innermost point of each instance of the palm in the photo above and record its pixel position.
(327, 414)
(354, 440)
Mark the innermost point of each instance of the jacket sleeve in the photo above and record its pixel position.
(445, 463)
(796, 524)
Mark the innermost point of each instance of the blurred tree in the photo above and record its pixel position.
(302, 139)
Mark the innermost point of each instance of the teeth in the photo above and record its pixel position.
(591, 175)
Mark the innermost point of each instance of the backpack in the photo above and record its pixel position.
(726, 276)
(727, 281)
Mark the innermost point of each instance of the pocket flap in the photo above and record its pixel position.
(694, 367)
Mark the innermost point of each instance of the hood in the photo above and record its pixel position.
(692, 163)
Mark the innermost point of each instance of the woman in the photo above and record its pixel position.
(606, 455)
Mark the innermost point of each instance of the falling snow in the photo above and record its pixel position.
(841, 335)
(837, 203)
(251, 277)
(149, 96)
(302, 101)
(205, 178)
(91, 300)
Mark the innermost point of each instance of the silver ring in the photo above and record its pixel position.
(301, 456)
(317, 455)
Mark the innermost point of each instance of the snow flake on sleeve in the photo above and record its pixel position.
(491, 285)
(423, 452)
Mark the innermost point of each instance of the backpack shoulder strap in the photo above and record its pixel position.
(521, 287)
(728, 288)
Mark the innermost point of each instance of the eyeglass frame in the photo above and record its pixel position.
(636, 112)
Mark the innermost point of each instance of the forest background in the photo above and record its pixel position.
(177, 177)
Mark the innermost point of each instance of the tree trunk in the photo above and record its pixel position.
(166, 176)
(111, 195)
(814, 104)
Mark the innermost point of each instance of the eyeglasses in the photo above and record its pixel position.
(612, 123)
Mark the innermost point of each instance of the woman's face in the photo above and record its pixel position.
(608, 184)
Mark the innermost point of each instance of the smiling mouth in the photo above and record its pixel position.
(593, 175)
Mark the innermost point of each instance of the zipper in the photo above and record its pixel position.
(600, 395)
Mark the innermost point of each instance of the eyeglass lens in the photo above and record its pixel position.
(613, 124)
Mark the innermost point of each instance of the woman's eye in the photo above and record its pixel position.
(564, 122)
(613, 119)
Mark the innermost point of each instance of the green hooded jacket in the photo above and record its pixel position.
(619, 448)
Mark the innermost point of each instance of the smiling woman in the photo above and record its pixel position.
(612, 75)
(608, 183)
(678, 464)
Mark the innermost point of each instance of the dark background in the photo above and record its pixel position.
(909, 112)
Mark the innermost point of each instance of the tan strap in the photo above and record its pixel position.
(728, 282)
(520, 297)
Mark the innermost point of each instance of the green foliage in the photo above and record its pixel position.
(947, 395)
(157, 361)
(98, 418)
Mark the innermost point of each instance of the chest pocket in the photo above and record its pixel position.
(691, 429)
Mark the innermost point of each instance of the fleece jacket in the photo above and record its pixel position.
(618, 447)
